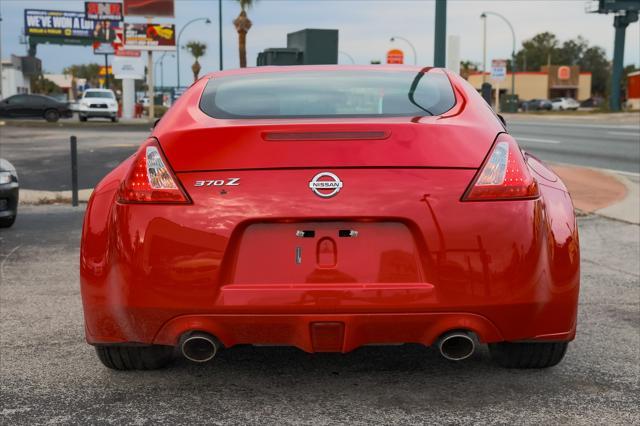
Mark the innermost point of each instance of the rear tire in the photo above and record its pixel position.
(528, 355)
(6, 222)
(82, 118)
(51, 115)
(135, 357)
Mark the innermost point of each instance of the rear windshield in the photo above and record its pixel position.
(318, 94)
(105, 95)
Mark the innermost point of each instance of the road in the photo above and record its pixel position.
(48, 374)
(41, 154)
(606, 146)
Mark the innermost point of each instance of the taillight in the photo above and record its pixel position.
(503, 176)
(150, 179)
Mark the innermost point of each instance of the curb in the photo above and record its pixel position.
(36, 197)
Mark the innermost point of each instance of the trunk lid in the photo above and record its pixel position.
(435, 142)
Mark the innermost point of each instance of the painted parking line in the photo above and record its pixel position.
(634, 134)
(536, 140)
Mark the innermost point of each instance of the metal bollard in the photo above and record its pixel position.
(74, 171)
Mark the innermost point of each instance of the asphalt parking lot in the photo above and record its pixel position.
(49, 375)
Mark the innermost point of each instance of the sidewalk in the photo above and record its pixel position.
(594, 191)
(602, 192)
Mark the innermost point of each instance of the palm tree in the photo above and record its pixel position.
(243, 24)
(197, 50)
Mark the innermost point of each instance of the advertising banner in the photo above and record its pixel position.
(149, 37)
(124, 67)
(68, 25)
(149, 8)
(100, 10)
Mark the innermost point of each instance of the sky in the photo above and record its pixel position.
(365, 28)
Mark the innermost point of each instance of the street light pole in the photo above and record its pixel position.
(513, 48)
(484, 47)
(1, 56)
(347, 55)
(206, 21)
(220, 31)
(415, 55)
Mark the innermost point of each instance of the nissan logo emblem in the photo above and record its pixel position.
(325, 184)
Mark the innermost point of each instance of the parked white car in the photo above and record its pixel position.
(562, 104)
(98, 103)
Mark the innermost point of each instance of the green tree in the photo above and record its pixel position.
(594, 60)
(44, 86)
(537, 51)
(243, 25)
(467, 68)
(197, 50)
(545, 48)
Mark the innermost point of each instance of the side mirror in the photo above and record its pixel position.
(504, 122)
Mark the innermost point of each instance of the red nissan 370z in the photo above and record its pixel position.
(327, 208)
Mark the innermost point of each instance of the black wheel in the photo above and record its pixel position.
(82, 118)
(114, 119)
(528, 355)
(135, 357)
(51, 115)
(6, 222)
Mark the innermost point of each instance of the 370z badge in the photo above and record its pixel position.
(325, 184)
(218, 182)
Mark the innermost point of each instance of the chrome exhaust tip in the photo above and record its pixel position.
(199, 347)
(456, 346)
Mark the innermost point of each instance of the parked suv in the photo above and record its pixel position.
(561, 104)
(98, 103)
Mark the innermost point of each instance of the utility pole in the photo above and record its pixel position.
(106, 71)
(620, 23)
(440, 44)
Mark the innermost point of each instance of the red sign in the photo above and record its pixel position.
(564, 72)
(129, 53)
(149, 8)
(395, 56)
(99, 10)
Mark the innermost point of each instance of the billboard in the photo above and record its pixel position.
(149, 36)
(100, 10)
(124, 67)
(149, 8)
(66, 24)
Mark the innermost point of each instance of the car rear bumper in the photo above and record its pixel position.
(98, 112)
(9, 199)
(502, 270)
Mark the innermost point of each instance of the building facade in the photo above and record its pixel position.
(550, 82)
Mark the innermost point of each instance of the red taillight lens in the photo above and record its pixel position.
(503, 176)
(150, 179)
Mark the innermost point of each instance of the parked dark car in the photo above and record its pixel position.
(8, 194)
(34, 106)
(536, 105)
(593, 102)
